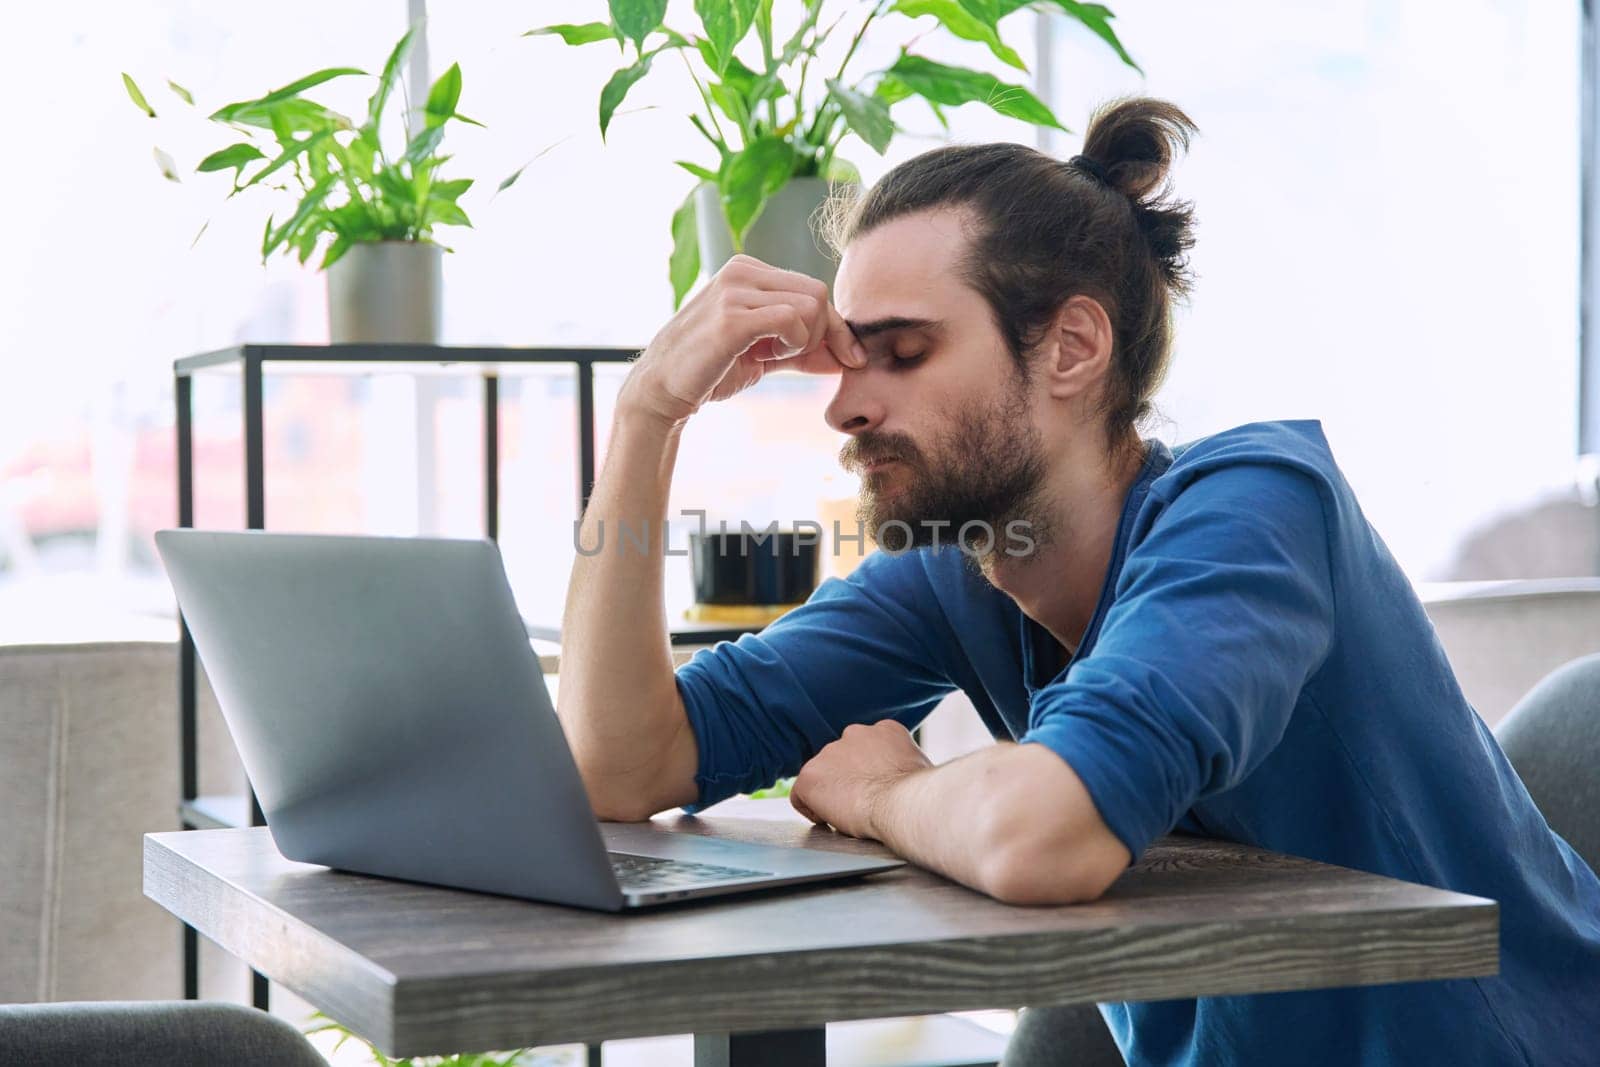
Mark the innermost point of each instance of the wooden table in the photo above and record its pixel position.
(421, 970)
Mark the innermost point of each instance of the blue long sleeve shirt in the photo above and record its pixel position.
(1257, 669)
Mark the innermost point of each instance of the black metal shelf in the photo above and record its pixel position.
(214, 812)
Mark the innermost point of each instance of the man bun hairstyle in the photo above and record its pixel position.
(1104, 224)
(1135, 141)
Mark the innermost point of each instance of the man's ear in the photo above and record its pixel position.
(1077, 348)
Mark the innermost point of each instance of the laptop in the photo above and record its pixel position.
(394, 720)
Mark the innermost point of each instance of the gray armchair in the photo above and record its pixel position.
(180, 1033)
(1552, 738)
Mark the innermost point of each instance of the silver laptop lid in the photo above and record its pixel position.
(389, 711)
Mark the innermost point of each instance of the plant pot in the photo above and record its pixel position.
(385, 292)
(784, 234)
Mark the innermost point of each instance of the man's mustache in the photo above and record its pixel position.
(869, 448)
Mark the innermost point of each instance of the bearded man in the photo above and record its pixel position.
(1208, 638)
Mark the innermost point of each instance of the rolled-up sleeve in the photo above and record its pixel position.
(1222, 613)
(858, 651)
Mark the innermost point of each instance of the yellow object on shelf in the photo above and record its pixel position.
(845, 552)
(737, 614)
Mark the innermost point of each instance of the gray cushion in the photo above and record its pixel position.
(150, 1033)
(1067, 1035)
(1552, 738)
(88, 765)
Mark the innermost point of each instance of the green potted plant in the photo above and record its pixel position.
(367, 197)
(523, 1057)
(775, 116)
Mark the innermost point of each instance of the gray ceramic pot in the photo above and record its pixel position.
(385, 292)
(784, 234)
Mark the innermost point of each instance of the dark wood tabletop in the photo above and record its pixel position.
(420, 970)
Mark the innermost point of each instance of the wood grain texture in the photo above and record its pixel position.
(419, 969)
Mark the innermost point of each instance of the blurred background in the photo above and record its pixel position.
(1389, 241)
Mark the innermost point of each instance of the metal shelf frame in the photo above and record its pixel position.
(197, 812)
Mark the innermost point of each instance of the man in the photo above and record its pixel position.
(1209, 638)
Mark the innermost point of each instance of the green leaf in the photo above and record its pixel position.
(842, 170)
(300, 85)
(731, 103)
(751, 176)
(312, 201)
(390, 76)
(307, 239)
(352, 222)
(951, 86)
(866, 115)
(337, 249)
(292, 115)
(617, 88)
(684, 266)
(357, 158)
(424, 144)
(1097, 18)
(636, 18)
(698, 171)
(233, 158)
(169, 169)
(183, 94)
(395, 185)
(577, 33)
(726, 22)
(963, 24)
(444, 96)
(449, 190)
(987, 12)
(510, 179)
(892, 90)
(293, 150)
(754, 87)
(137, 97)
(447, 214)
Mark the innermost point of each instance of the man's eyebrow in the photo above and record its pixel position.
(864, 330)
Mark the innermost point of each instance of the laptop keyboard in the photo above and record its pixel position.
(652, 872)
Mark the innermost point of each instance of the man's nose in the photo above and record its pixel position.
(857, 405)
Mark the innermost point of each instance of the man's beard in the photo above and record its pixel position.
(986, 471)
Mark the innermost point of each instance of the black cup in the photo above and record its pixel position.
(765, 568)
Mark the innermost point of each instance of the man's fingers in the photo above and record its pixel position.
(800, 806)
(804, 304)
(775, 281)
(842, 340)
(765, 276)
(820, 360)
(790, 332)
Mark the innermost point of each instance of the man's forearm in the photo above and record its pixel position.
(1012, 821)
(618, 702)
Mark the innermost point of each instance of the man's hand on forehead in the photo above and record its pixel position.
(749, 317)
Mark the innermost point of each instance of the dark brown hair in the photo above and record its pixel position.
(1104, 224)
